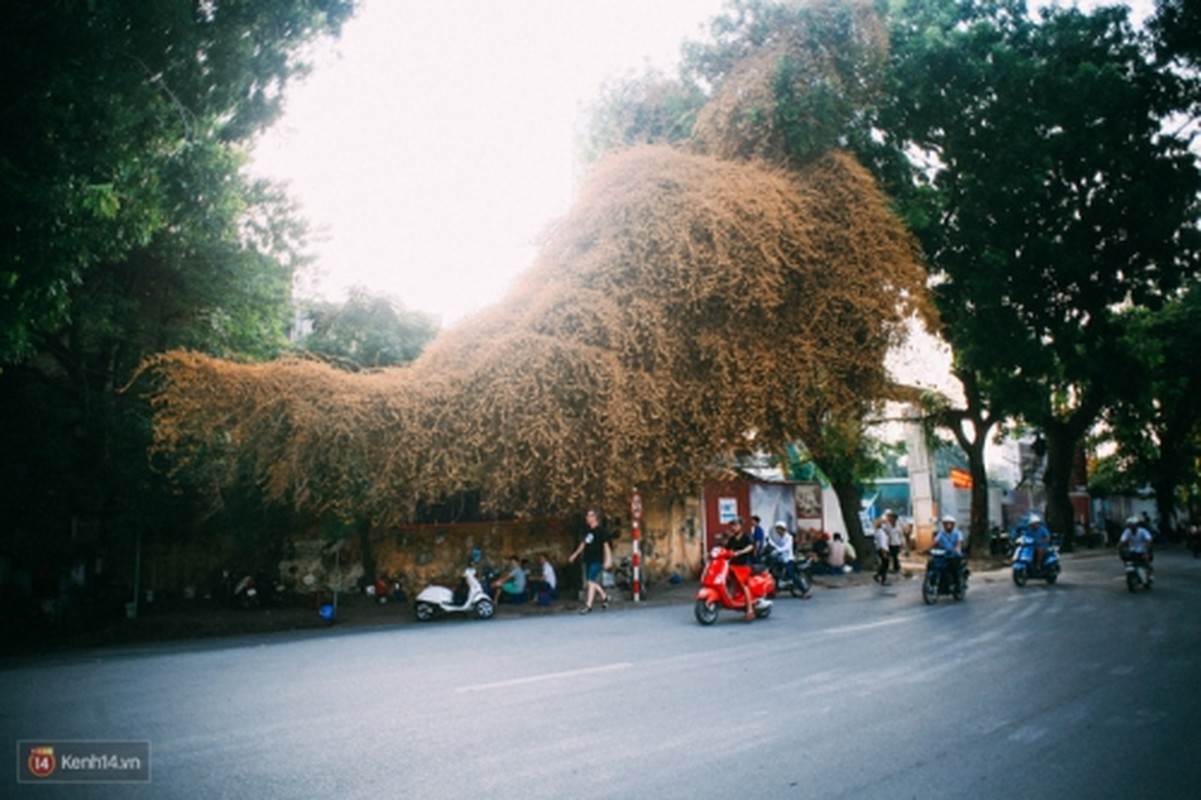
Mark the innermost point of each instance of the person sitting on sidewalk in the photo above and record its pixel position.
(836, 556)
(544, 587)
(511, 584)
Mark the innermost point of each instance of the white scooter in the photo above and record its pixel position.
(436, 600)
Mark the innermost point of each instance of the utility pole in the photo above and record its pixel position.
(636, 541)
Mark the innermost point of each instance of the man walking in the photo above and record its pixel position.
(896, 538)
(598, 556)
(882, 556)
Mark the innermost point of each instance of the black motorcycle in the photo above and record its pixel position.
(944, 576)
(799, 587)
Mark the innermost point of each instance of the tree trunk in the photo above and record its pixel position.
(978, 535)
(976, 416)
(363, 528)
(974, 447)
(1165, 507)
(849, 503)
(1061, 447)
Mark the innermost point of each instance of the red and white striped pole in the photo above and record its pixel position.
(636, 540)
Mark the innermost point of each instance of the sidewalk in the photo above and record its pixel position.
(200, 621)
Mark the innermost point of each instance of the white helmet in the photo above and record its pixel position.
(948, 518)
(1132, 520)
(1035, 519)
(781, 524)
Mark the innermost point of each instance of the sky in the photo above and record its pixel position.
(435, 139)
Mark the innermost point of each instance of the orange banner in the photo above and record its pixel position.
(961, 478)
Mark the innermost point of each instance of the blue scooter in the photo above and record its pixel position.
(1023, 562)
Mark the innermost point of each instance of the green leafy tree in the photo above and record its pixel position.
(1156, 419)
(106, 109)
(1177, 27)
(1047, 195)
(128, 226)
(368, 331)
(789, 79)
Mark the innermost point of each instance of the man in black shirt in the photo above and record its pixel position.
(740, 544)
(598, 556)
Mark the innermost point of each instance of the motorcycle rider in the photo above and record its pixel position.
(780, 548)
(758, 537)
(1041, 538)
(741, 546)
(951, 539)
(1136, 540)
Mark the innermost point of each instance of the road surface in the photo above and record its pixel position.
(1075, 690)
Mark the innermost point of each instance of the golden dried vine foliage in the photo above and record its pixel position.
(785, 96)
(683, 302)
(311, 434)
(685, 309)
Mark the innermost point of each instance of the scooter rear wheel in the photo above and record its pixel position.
(425, 612)
(484, 609)
(706, 612)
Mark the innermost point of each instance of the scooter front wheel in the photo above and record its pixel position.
(484, 609)
(706, 612)
(1019, 576)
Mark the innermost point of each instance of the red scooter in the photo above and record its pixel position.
(721, 587)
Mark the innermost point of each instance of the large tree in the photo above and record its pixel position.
(118, 117)
(367, 331)
(691, 307)
(1155, 420)
(686, 310)
(127, 226)
(1047, 194)
(782, 83)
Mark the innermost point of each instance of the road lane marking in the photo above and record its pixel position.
(546, 676)
(867, 625)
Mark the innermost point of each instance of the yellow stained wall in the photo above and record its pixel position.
(420, 554)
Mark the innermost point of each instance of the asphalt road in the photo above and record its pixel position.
(1074, 690)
